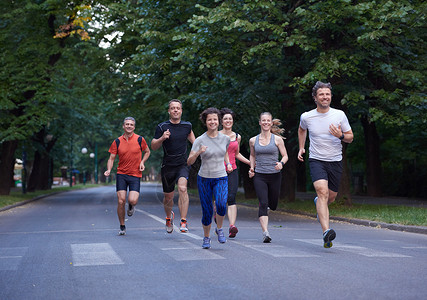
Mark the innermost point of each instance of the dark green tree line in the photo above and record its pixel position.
(52, 84)
(251, 56)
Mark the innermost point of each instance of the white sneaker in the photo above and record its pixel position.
(267, 237)
(183, 227)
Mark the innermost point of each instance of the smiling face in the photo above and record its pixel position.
(323, 98)
(129, 126)
(212, 121)
(227, 121)
(175, 111)
(265, 121)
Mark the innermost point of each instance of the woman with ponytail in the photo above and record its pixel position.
(265, 167)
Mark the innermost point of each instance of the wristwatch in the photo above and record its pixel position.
(342, 137)
(283, 164)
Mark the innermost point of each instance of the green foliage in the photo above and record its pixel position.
(250, 56)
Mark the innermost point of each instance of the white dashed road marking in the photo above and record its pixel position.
(10, 258)
(98, 254)
(354, 249)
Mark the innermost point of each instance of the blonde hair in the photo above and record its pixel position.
(275, 129)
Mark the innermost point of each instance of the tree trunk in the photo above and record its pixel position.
(7, 165)
(41, 172)
(373, 161)
(344, 189)
(40, 176)
(33, 180)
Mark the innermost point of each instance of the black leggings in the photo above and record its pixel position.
(267, 188)
(233, 184)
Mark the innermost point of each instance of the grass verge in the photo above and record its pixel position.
(16, 196)
(393, 214)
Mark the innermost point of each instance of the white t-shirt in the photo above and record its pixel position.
(213, 158)
(323, 145)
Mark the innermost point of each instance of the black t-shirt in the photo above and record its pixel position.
(175, 147)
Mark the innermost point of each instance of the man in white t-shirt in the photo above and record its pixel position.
(328, 127)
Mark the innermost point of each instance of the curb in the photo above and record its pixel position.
(368, 223)
(4, 208)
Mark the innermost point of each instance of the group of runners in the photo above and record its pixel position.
(218, 150)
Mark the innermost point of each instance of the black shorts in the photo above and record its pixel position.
(124, 181)
(171, 174)
(330, 171)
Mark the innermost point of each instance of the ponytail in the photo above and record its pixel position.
(275, 129)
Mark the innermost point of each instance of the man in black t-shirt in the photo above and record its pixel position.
(173, 136)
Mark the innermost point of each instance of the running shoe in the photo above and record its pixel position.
(131, 210)
(315, 204)
(183, 228)
(206, 243)
(169, 223)
(267, 237)
(220, 234)
(232, 231)
(122, 230)
(328, 236)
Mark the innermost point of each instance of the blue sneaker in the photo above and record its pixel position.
(328, 236)
(315, 204)
(206, 243)
(221, 236)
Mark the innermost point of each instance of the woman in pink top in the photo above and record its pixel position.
(227, 118)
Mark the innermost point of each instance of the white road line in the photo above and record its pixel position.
(414, 247)
(96, 254)
(4, 257)
(175, 228)
(275, 250)
(354, 249)
(10, 258)
(186, 251)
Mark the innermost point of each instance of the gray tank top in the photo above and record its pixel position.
(266, 156)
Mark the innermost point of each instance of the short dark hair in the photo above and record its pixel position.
(174, 100)
(320, 85)
(227, 111)
(208, 111)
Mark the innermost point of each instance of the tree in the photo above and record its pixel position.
(45, 98)
(373, 53)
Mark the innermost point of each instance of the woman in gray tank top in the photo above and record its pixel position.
(266, 167)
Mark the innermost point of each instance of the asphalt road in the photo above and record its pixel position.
(66, 246)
